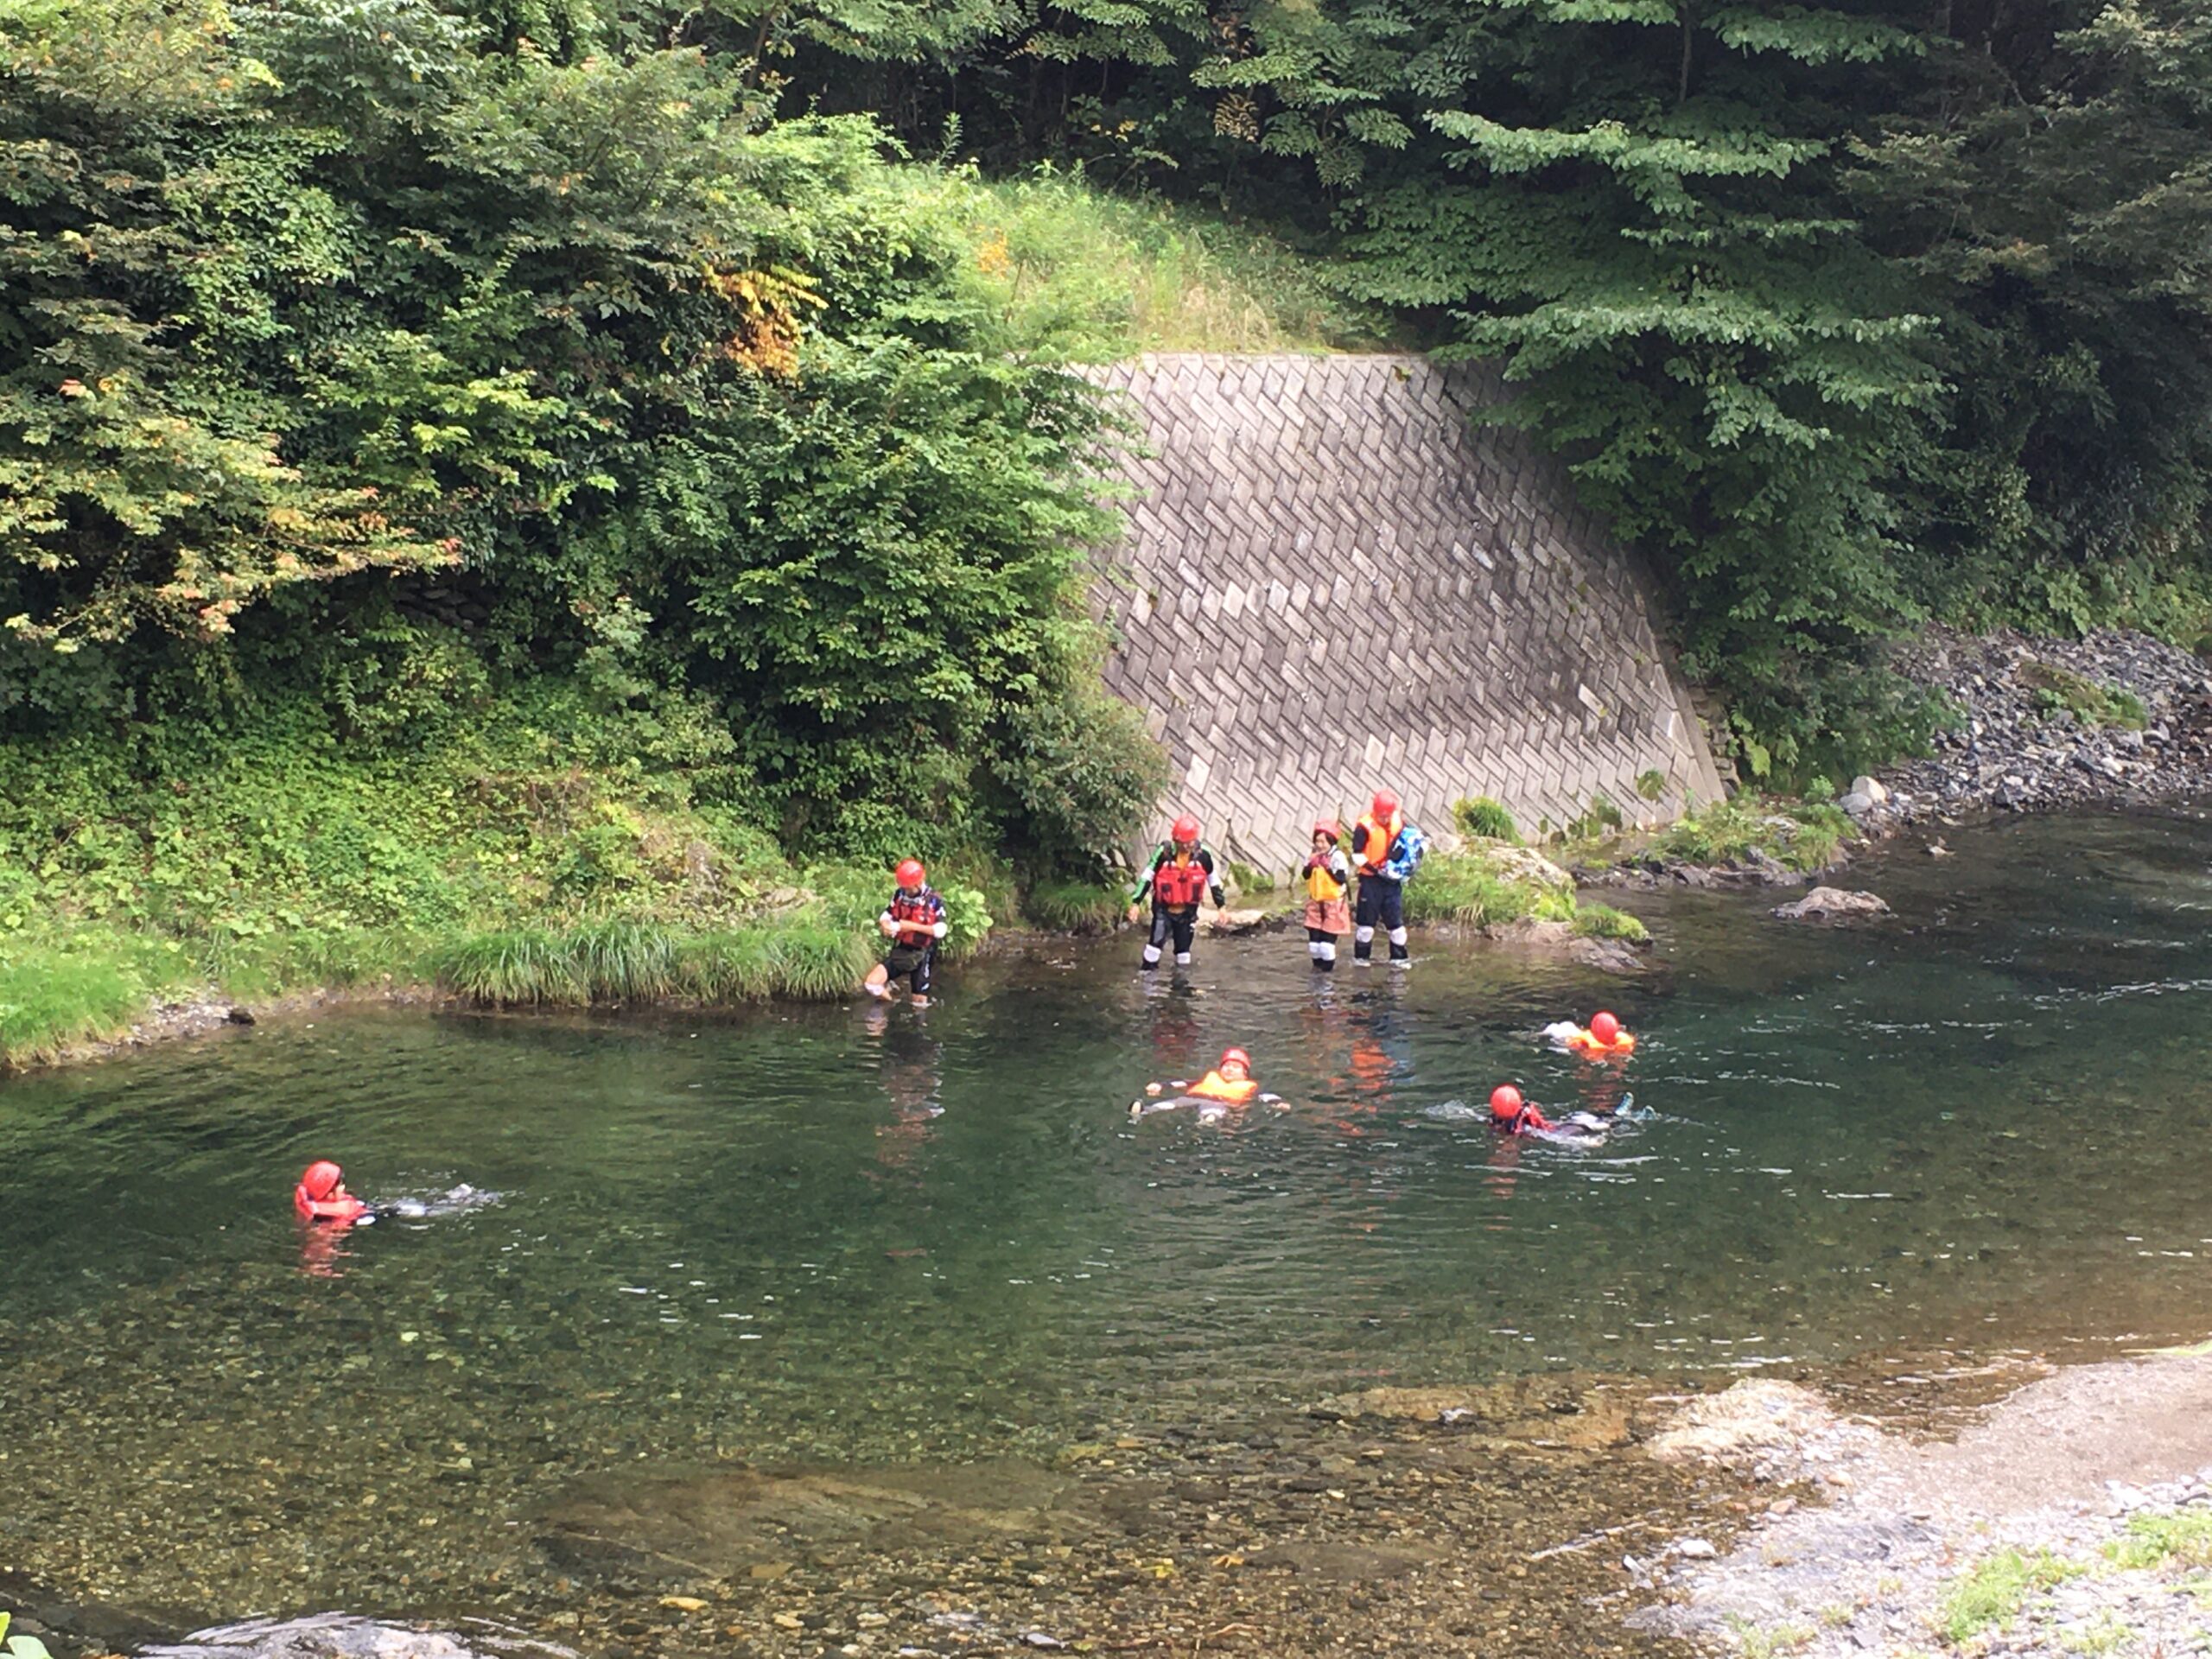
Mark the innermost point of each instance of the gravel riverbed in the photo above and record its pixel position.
(2074, 1517)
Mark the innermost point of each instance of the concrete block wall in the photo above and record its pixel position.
(1331, 581)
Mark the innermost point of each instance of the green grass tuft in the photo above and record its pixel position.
(1604, 922)
(1074, 906)
(2153, 1540)
(1485, 819)
(517, 967)
(1804, 836)
(1077, 273)
(52, 997)
(1478, 887)
(1996, 1588)
(2093, 704)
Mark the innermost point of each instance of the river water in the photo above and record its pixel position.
(847, 1234)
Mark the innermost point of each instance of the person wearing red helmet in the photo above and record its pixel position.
(1328, 878)
(320, 1196)
(1228, 1083)
(913, 921)
(1385, 850)
(1513, 1115)
(1180, 874)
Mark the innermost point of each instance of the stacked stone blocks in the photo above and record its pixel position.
(1333, 580)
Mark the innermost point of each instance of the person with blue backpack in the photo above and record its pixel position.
(1385, 850)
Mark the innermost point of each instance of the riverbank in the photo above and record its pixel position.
(1562, 1515)
(2115, 717)
(717, 933)
(2073, 1516)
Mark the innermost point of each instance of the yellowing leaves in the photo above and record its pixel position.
(768, 304)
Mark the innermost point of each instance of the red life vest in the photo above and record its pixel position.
(347, 1209)
(914, 916)
(1178, 886)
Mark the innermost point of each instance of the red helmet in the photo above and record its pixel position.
(1385, 805)
(910, 872)
(1237, 1057)
(1184, 829)
(1604, 1027)
(1505, 1102)
(322, 1180)
(1330, 828)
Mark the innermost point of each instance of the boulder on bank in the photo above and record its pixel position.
(1833, 905)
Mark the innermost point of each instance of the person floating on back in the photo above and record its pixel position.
(321, 1197)
(1603, 1039)
(913, 921)
(1180, 874)
(1328, 878)
(1229, 1084)
(1385, 850)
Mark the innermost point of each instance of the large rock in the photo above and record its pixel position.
(1750, 1425)
(1521, 864)
(1560, 939)
(1833, 905)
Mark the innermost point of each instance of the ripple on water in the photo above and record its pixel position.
(819, 1235)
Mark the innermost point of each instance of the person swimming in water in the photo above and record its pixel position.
(1229, 1084)
(1510, 1115)
(320, 1196)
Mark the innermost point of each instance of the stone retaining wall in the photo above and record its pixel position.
(1333, 582)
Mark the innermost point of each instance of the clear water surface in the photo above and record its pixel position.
(844, 1232)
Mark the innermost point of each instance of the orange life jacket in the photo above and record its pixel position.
(1214, 1086)
(1380, 838)
(913, 915)
(1178, 884)
(1585, 1042)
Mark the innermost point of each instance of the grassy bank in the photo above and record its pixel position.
(1492, 882)
(1806, 834)
(509, 856)
(1082, 276)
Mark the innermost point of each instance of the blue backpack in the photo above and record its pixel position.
(1406, 853)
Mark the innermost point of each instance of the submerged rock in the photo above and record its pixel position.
(1833, 904)
(343, 1635)
(1559, 939)
(722, 1524)
(1236, 921)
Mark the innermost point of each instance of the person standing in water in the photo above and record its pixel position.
(914, 921)
(1385, 850)
(1328, 879)
(1180, 874)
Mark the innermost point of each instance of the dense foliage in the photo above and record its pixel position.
(359, 353)
(390, 352)
(1847, 312)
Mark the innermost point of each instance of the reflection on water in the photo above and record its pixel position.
(863, 1231)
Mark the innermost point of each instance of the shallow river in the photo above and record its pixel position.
(844, 1233)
